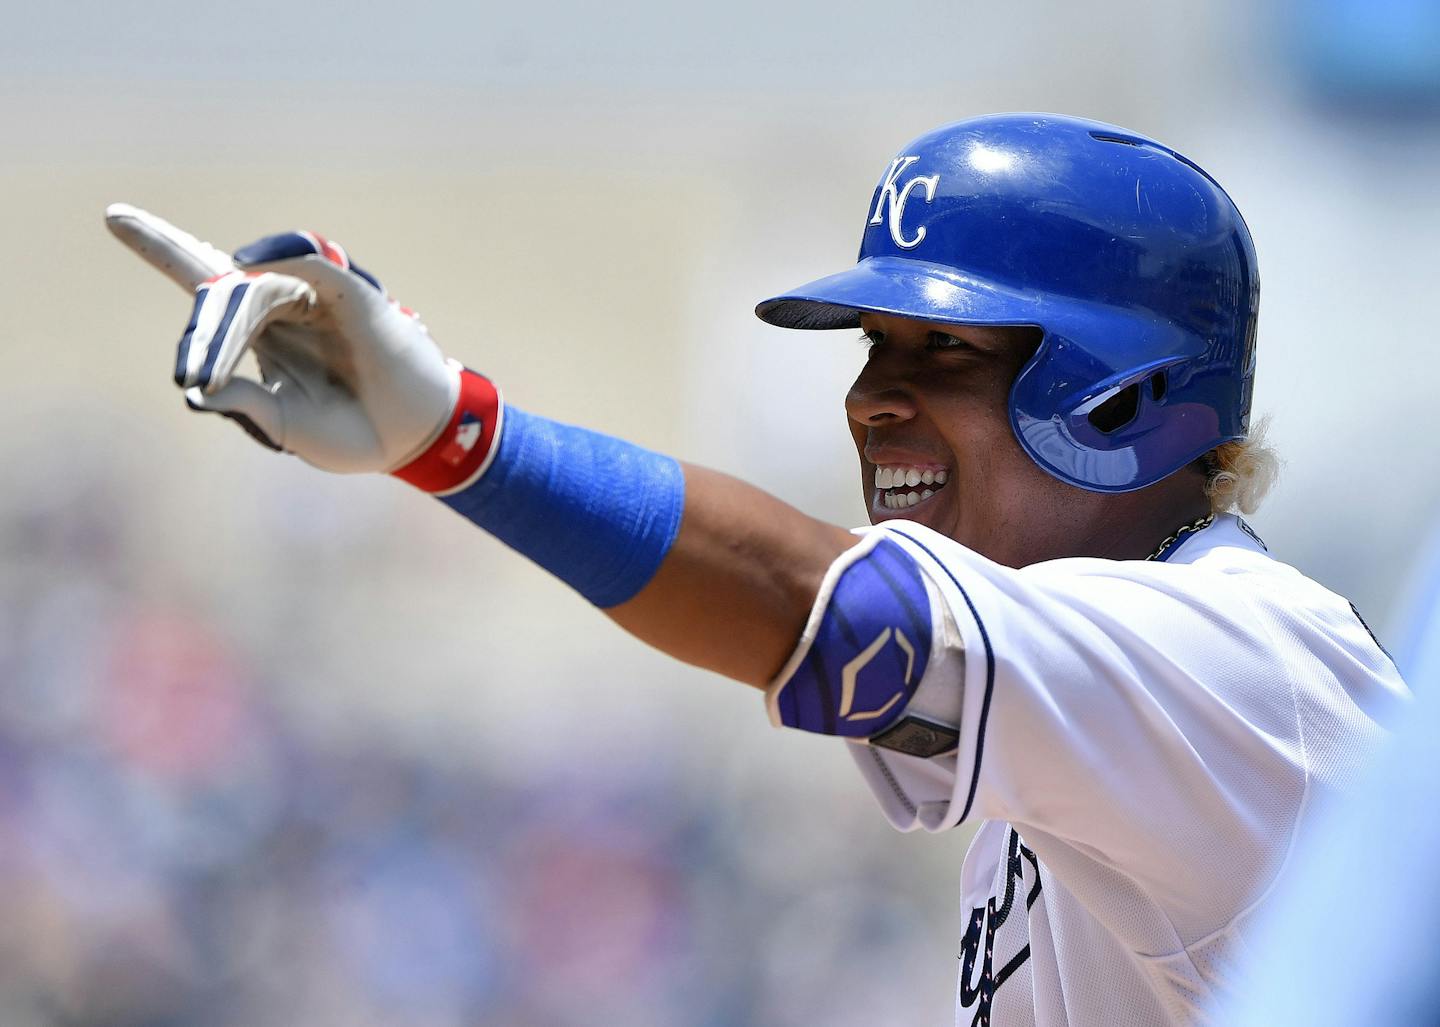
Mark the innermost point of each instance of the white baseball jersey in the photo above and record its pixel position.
(1144, 742)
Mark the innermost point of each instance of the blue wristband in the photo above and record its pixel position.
(597, 512)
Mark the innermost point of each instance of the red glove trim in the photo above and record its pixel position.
(465, 446)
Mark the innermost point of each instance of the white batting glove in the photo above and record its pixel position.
(351, 380)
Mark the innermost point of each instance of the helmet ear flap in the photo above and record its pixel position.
(1107, 443)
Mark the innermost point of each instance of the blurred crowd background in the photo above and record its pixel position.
(277, 747)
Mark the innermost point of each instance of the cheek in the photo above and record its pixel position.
(1003, 485)
(980, 435)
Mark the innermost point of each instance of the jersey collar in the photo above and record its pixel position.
(1224, 529)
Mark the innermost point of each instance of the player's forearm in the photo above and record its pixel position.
(737, 584)
(698, 564)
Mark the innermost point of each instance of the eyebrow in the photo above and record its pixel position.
(989, 338)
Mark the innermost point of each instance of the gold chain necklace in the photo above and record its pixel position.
(1198, 525)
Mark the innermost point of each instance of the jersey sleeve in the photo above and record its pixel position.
(1137, 712)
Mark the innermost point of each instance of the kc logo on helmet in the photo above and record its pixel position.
(891, 200)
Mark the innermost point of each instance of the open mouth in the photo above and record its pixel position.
(901, 487)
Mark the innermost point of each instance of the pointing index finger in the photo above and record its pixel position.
(174, 252)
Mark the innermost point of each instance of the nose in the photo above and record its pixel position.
(879, 395)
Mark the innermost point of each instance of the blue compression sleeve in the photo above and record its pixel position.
(597, 512)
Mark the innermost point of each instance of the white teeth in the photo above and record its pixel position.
(902, 477)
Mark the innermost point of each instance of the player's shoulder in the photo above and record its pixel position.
(1219, 610)
(1226, 545)
(1223, 569)
(1231, 552)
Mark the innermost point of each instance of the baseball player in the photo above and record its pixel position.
(1055, 624)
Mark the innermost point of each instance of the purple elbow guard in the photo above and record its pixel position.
(864, 649)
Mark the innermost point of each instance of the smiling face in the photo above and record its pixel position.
(932, 403)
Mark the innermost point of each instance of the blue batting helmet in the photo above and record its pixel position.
(1133, 262)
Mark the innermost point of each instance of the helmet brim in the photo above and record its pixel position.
(905, 288)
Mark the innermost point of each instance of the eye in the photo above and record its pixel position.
(874, 337)
(944, 341)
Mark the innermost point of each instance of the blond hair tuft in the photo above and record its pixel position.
(1239, 474)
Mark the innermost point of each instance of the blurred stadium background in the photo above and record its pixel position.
(277, 747)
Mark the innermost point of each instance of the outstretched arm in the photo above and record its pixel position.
(696, 563)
